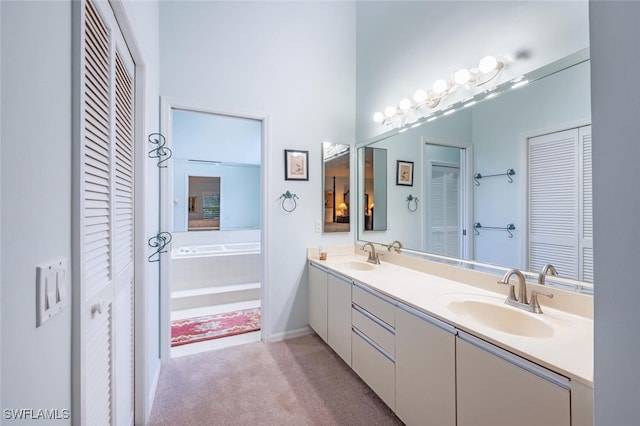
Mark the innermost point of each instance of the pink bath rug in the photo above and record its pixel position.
(215, 326)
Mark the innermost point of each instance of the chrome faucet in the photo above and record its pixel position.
(373, 257)
(395, 246)
(521, 301)
(522, 287)
(547, 269)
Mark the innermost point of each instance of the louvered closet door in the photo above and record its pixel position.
(585, 244)
(106, 228)
(444, 210)
(560, 219)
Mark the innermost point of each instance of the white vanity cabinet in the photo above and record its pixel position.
(373, 342)
(425, 369)
(329, 308)
(339, 315)
(496, 387)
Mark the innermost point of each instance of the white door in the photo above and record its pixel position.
(103, 242)
(560, 203)
(444, 211)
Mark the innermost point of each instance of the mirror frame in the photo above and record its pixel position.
(560, 282)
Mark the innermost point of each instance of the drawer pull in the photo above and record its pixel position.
(373, 344)
(374, 319)
(529, 366)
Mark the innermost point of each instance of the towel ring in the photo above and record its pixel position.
(414, 200)
(288, 196)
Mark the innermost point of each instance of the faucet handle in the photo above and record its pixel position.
(533, 303)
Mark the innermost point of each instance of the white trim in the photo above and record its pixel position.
(166, 208)
(291, 334)
(466, 178)
(524, 177)
(1, 403)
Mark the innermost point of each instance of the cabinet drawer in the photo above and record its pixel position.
(374, 304)
(375, 368)
(381, 334)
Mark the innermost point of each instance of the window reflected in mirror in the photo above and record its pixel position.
(204, 203)
(337, 194)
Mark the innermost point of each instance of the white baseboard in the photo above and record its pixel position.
(290, 334)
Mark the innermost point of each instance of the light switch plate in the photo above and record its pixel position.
(51, 290)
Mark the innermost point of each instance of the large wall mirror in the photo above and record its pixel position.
(502, 181)
(336, 210)
(216, 172)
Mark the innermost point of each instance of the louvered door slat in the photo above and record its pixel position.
(99, 335)
(123, 166)
(96, 213)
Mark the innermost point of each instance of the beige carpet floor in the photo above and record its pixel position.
(296, 382)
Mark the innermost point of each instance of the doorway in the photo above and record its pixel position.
(447, 212)
(212, 279)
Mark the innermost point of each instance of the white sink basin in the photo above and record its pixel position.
(498, 316)
(359, 266)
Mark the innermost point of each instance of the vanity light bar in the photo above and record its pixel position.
(488, 69)
(520, 84)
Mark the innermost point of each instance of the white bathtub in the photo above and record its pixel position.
(206, 275)
(216, 250)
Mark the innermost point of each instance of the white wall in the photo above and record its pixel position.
(405, 46)
(36, 202)
(615, 62)
(36, 225)
(295, 62)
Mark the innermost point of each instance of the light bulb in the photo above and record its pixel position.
(420, 96)
(405, 104)
(487, 64)
(462, 76)
(440, 86)
(378, 117)
(389, 111)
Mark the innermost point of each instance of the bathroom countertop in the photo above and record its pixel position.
(567, 351)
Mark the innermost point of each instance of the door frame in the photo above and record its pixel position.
(167, 104)
(466, 197)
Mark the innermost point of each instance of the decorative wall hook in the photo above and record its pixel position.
(161, 150)
(510, 227)
(159, 242)
(414, 200)
(508, 174)
(288, 196)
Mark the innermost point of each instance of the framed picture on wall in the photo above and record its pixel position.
(404, 173)
(296, 165)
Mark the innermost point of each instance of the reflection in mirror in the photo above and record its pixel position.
(204, 203)
(216, 172)
(539, 214)
(375, 189)
(336, 178)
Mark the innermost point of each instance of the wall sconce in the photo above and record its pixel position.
(411, 110)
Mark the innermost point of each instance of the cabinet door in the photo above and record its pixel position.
(339, 316)
(425, 370)
(494, 391)
(317, 300)
(375, 367)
